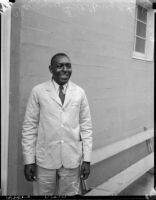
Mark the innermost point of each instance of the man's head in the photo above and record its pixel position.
(60, 68)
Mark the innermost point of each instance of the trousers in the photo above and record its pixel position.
(57, 182)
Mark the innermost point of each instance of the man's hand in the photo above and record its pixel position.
(85, 170)
(30, 172)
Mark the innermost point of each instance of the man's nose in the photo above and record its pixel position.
(65, 68)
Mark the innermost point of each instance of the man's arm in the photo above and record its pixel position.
(29, 135)
(86, 136)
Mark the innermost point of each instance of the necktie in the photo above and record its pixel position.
(61, 94)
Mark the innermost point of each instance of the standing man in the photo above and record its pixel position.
(57, 133)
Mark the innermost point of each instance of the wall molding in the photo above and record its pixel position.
(123, 179)
(119, 182)
(117, 147)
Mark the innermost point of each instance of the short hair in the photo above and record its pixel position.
(53, 59)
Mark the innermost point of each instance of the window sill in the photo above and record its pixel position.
(140, 56)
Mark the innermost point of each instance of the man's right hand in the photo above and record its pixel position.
(30, 172)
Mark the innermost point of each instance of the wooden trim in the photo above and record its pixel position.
(142, 57)
(115, 148)
(5, 80)
(119, 182)
(147, 4)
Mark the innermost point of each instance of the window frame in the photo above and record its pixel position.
(148, 55)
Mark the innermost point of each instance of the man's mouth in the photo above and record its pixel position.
(64, 76)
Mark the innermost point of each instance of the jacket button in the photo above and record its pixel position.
(62, 141)
(62, 125)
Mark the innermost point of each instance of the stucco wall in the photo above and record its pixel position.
(99, 41)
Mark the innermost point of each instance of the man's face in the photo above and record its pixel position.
(61, 70)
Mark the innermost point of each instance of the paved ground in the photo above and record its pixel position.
(142, 186)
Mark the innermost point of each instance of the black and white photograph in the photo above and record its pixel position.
(77, 98)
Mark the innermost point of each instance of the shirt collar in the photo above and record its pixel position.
(56, 86)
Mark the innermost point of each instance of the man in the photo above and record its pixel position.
(57, 133)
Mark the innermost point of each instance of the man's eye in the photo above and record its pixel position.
(68, 65)
(59, 66)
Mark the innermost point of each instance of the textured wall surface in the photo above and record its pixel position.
(99, 40)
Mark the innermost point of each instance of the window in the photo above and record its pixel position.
(141, 26)
(144, 33)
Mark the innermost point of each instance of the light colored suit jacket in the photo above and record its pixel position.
(54, 135)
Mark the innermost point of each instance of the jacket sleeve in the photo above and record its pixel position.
(30, 128)
(86, 129)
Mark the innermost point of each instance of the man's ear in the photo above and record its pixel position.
(50, 69)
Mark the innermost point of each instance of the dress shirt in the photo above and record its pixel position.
(56, 86)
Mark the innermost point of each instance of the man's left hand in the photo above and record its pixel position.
(85, 170)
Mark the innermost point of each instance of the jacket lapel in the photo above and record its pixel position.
(49, 87)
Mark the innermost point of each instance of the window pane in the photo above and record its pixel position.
(142, 14)
(141, 29)
(140, 45)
